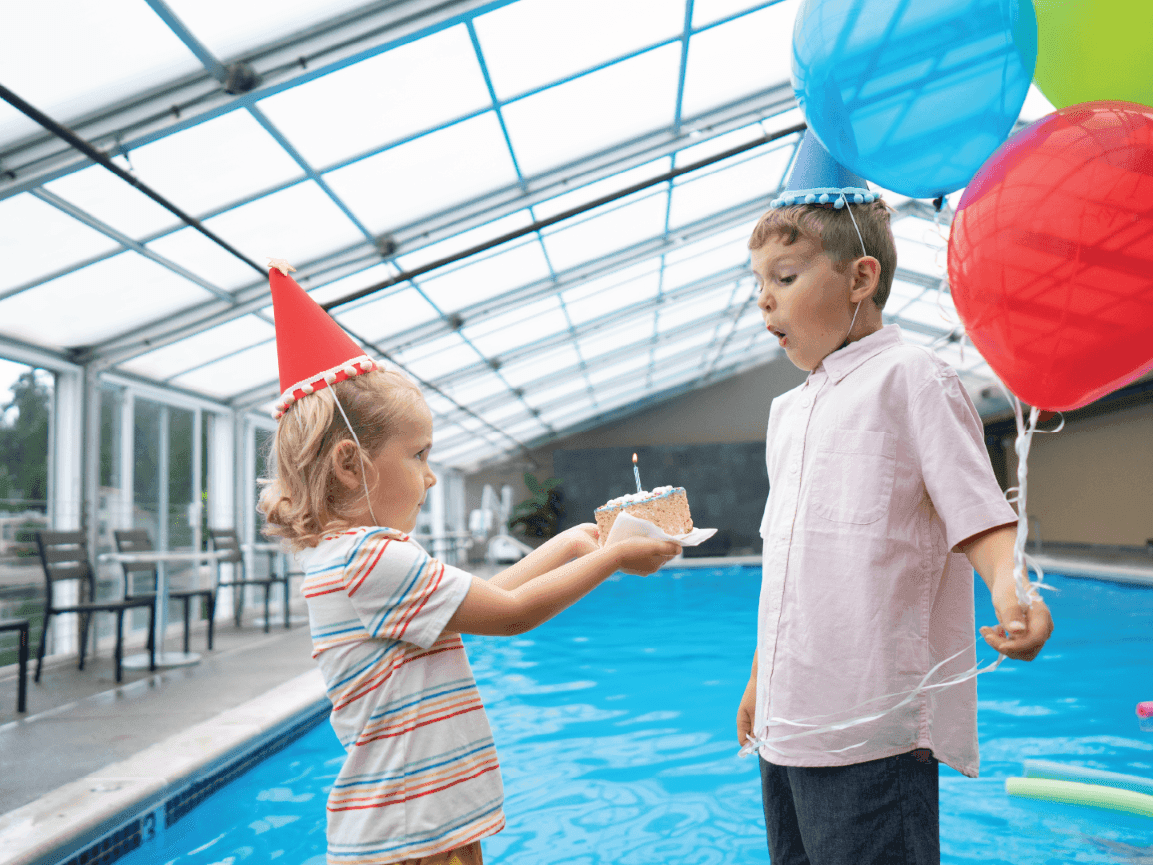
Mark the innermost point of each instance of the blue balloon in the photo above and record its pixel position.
(913, 95)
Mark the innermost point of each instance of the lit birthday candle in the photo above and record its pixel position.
(637, 473)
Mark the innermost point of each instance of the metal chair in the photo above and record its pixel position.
(138, 541)
(226, 539)
(21, 627)
(64, 556)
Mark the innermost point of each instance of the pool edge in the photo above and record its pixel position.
(73, 817)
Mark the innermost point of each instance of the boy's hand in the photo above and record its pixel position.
(746, 712)
(643, 556)
(1021, 632)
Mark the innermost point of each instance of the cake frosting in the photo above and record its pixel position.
(667, 507)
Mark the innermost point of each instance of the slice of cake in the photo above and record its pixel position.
(667, 507)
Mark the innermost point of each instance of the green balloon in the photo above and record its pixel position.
(1092, 50)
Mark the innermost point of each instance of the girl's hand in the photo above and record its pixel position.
(581, 540)
(643, 556)
(746, 711)
(1022, 631)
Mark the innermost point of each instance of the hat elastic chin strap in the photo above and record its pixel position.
(863, 252)
(360, 453)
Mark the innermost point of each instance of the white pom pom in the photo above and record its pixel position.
(810, 199)
(330, 377)
(307, 388)
(349, 370)
(824, 199)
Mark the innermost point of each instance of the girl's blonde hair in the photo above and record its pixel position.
(304, 500)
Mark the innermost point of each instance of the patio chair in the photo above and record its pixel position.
(226, 539)
(64, 556)
(138, 541)
(21, 627)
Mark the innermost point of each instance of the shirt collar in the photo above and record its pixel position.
(844, 360)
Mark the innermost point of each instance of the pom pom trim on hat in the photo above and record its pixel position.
(825, 195)
(344, 370)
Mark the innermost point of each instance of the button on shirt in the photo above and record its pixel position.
(877, 471)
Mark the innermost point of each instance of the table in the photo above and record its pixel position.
(159, 557)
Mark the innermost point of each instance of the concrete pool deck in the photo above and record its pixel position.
(87, 748)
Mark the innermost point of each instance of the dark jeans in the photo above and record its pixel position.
(881, 812)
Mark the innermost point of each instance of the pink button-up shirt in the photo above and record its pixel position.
(877, 471)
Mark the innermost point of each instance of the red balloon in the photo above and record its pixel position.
(1051, 255)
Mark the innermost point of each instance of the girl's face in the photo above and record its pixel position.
(402, 473)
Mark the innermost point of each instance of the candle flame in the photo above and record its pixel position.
(634, 459)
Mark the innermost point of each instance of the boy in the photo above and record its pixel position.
(878, 477)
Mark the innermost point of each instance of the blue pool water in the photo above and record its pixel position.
(615, 727)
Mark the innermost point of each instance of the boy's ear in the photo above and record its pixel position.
(866, 272)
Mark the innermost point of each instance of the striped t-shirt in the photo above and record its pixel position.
(421, 775)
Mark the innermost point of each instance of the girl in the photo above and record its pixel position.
(421, 782)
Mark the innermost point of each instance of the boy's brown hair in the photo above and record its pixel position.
(833, 229)
(303, 500)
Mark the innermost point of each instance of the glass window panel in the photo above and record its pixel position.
(739, 58)
(922, 259)
(181, 483)
(104, 299)
(622, 370)
(371, 275)
(929, 313)
(390, 314)
(67, 58)
(526, 430)
(549, 393)
(696, 309)
(692, 344)
(206, 258)
(735, 234)
(707, 11)
(719, 144)
(485, 278)
(201, 348)
(1036, 105)
(607, 232)
(26, 396)
(253, 367)
(600, 188)
(570, 414)
(437, 357)
(901, 293)
(540, 365)
(427, 175)
(214, 163)
(114, 202)
(535, 42)
(612, 297)
(729, 186)
(519, 326)
(614, 337)
(705, 265)
(146, 445)
(300, 224)
(477, 388)
(464, 240)
(409, 89)
(39, 239)
(588, 114)
(510, 412)
(922, 231)
(229, 28)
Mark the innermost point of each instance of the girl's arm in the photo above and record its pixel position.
(568, 545)
(490, 609)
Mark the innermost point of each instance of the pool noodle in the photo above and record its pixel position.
(1063, 772)
(1076, 793)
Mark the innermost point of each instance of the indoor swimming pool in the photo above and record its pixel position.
(614, 725)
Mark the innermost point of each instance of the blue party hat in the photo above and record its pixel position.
(817, 178)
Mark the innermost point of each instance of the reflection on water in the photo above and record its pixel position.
(615, 728)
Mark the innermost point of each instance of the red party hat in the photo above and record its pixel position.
(311, 348)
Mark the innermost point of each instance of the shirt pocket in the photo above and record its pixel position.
(853, 473)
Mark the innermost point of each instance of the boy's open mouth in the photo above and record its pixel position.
(780, 334)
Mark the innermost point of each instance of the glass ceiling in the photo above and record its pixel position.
(375, 139)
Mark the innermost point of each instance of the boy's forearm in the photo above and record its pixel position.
(991, 554)
(548, 557)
